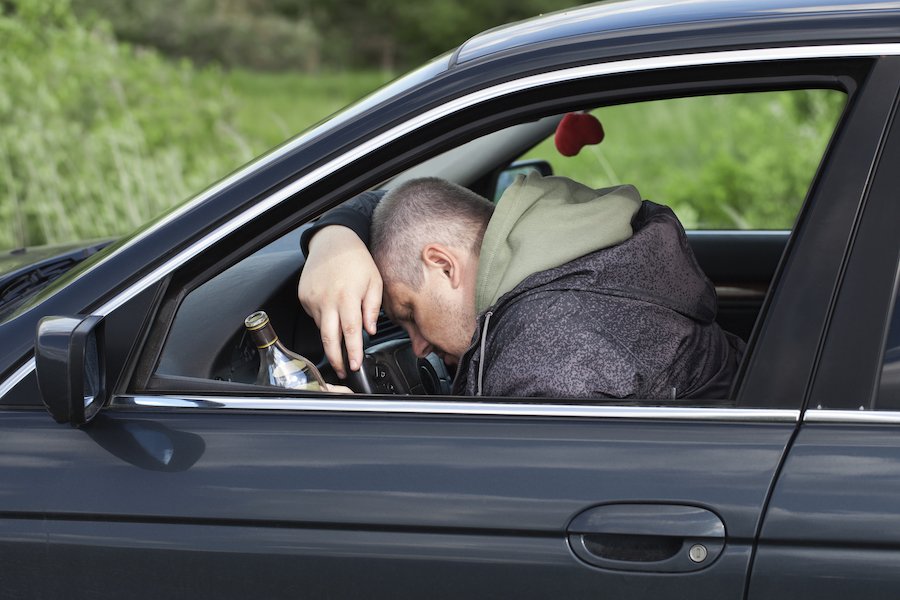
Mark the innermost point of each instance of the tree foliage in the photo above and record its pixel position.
(87, 121)
(308, 34)
(245, 33)
(733, 161)
(99, 136)
(407, 32)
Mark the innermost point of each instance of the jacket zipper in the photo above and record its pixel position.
(484, 330)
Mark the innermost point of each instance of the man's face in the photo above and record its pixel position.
(437, 317)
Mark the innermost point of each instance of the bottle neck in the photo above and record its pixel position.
(264, 337)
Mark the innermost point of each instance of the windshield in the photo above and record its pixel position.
(26, 271)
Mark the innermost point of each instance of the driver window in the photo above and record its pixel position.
(208, 339)
(734, 165)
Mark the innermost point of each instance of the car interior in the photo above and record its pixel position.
(207, 348)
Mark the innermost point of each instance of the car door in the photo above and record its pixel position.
(832, 529)
(227, 492)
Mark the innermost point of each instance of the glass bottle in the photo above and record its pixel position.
(278, 366)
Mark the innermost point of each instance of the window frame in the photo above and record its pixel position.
(721, 79)
(853, 348)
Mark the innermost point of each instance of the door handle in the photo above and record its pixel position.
(664, 538)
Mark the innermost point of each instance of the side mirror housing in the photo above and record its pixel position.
(70, 363)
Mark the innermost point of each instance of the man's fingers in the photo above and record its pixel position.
(330, 330)
(371, 305)
(338, 389)
(340, 288)
(351, 328)
(310, 305)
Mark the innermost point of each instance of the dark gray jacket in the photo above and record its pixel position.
(635, 320)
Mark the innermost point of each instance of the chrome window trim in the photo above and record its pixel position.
(738, 232)
(851, 417)
(338, 404)
(17, 376)
(458, 104)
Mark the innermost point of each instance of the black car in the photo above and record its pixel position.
(182, 478)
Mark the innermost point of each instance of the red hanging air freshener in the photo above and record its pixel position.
(575, 131)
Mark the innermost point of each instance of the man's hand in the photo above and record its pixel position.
(337, 389)
(340, 288)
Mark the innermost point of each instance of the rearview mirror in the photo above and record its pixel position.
(71, 367)
(507, 176)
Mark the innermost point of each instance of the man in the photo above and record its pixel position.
(562, 291)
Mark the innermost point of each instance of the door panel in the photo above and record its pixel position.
(251, 562)
(833, 526)
(23, 550)
(832, 529)
(221, 503)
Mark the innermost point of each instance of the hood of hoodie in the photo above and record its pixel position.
(545, 222)
(655, 266)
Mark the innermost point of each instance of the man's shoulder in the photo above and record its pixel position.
(549, 319)
(659, 215)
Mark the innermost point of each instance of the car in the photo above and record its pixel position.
(164, 470)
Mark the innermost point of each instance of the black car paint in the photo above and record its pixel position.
(15, 262)
(694, 25)
(831, 530)
(359, 495)
(199, 503)
(25, 271)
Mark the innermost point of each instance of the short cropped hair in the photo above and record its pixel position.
(423, 211)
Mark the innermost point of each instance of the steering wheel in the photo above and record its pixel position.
(393, 368)
(358, 381)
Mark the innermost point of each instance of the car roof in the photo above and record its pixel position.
(784, 21)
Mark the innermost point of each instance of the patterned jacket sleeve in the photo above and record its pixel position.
(356, 214)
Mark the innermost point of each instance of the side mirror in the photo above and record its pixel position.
(71, 367)
(507, 176)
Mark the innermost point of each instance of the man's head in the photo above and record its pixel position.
(426, 239)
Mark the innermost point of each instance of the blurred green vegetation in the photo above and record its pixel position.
(309, 35)
(100, 134)
(738, 161)
(230, 33)
(272, 107)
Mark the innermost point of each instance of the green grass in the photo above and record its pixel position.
(270, 108)
(100, 137)
(126, 136)
(740, 161)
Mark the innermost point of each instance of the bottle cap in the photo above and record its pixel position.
(257, 320)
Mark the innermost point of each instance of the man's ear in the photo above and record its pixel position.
(443, 260)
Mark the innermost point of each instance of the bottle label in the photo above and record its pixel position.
(292, 375)
(289, 369)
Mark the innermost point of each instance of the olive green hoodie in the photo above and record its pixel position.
(544, 222)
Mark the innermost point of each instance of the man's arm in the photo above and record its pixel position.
(355, 214)
(340, 287)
